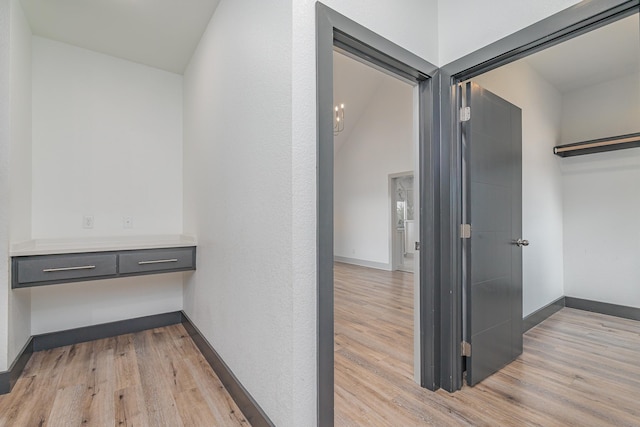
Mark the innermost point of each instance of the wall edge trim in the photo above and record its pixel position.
(254, 414)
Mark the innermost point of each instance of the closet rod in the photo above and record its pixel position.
(598, 145)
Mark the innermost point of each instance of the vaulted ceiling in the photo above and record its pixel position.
(158, 33)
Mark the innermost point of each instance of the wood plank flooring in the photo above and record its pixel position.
(577, 369)
(151, 378)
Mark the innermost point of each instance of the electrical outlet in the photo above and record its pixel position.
(127, 222)
(87, 221)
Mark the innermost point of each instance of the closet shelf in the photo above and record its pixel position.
(598, 145)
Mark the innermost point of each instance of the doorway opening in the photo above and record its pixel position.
(376, 283)
(562, 197)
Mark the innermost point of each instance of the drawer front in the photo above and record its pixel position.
(64, 267)
(157, 260)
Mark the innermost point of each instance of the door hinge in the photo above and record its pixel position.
(417, 246)
(465, 114)
(465, 231)
(465, 349)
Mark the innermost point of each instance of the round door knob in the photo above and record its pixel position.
(521, 242)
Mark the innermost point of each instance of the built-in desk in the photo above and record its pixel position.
(49, 262)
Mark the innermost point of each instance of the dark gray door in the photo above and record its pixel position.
(492, 191)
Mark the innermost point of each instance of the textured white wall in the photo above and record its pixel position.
(5, 138)
(20, 168)
(602, 201)
(237, 197)
(381, 143)
(107, 142)
(542, 220)
(467, 25)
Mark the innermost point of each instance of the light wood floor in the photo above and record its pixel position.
(577, 369)
(152, 378)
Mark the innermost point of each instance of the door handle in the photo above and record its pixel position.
(521, 242)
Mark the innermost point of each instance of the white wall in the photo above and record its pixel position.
(467, 25)
(20, 169)
(73, 305)
(381, 143)
(599, 111)
(542, 219)
(107, 142)
(5, 138)
(602, 201)
(237, 197)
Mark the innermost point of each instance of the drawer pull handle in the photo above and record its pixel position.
(158, 261)
(82, 267)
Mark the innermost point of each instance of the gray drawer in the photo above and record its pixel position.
(157, 260)
(53, 268)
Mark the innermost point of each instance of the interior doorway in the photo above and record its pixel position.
(376, 282)
(335, 30)
(566, 97)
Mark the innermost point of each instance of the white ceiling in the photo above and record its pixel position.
(604, 54)
(158, 33)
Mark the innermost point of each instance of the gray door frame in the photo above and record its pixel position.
(333, 29)
(569, 23)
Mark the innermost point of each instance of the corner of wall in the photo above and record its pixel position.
(20, 171)
(5, 138)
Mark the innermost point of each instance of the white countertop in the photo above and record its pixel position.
(99, 244)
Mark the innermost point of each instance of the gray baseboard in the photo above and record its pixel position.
(542, 314)
(623, 311)
(75, 336)
(363, 263)
(8, 378)
(104, 330)
(249, 407)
